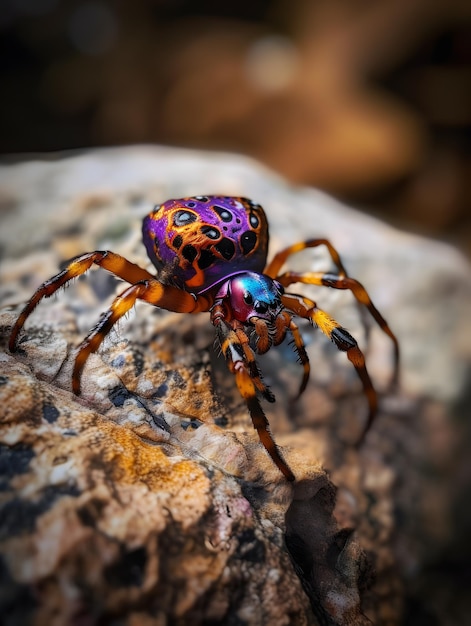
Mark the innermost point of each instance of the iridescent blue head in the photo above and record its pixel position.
(252, 295)
(202, 240)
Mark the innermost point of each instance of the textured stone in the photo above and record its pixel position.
(149, 499)
(98, 523)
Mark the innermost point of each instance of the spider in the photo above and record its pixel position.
(210, 253)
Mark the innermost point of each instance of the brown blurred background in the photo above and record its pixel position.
(368, 100)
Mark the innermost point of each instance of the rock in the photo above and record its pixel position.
(99, 524)
(149, 499)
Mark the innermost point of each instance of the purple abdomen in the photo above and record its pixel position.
(197, 242)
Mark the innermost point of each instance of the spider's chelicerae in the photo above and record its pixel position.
(210, 253)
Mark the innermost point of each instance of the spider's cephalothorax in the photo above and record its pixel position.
(210, 254)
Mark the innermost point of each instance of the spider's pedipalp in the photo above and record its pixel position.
(264, 339)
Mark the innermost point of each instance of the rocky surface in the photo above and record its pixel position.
(148, 499)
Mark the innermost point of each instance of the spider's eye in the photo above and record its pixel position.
(182, 218)
(261, 307)
(248, 298)
(224, 214)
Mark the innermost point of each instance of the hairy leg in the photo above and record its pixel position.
(114, 263)
(359, 292)
(275, 265)
(344, 342)
(302, 355)
(248, 385)
(151, 291)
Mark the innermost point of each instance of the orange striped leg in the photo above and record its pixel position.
(359, 292)
(265, 339)
(279, 259)
(274, 267)
(302, 355)
(270, 334)
(343, 340)
(236, 361)
(110, 261)
(260, 422)
(253, 368)
(150, 291)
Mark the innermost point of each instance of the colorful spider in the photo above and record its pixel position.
(210, 254)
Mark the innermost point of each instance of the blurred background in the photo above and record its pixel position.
(368, 100)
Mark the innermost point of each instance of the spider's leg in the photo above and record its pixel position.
(235, 356)
(114, 263)
(275, 265)
(343, 340)
(283, 323)
(359, 292)
(302, 354)
(242, 340)
(151, 291)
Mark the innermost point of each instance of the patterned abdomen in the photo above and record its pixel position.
(197, 242)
